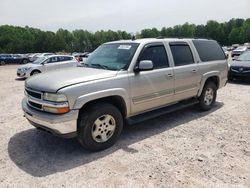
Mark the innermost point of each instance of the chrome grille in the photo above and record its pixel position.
(35, 105)
(34, 94)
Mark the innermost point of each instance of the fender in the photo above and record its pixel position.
(205, 77)
(83, 99)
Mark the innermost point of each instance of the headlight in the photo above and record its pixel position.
(54, 97)
(26, 68)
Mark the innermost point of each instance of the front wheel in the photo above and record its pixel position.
(208, 96)
(99, 126)
(34, 72)
(2, 63)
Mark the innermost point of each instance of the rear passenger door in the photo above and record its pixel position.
(67, 61)
(153, 88)
(186, 71)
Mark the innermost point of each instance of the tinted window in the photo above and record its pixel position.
(209, 50)
(182, 54)
(66, 58)
(157, 54)
(52, 60)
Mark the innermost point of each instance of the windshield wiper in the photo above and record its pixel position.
(100, 66)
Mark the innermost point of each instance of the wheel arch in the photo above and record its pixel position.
(34, 71)
(210, 77)
(116, 96)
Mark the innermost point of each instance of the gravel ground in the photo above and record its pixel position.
(182, 149)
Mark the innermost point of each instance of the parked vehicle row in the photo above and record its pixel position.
(9, 58)
(26, 58)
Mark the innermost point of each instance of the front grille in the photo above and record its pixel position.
(35, 105)
(240, 69)
(34, 94)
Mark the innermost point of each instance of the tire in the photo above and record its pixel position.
(93, 125)
(34, 72)
(2, 63)
(208, 96)
(24, 61)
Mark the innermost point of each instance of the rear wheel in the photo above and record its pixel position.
(24, 61)
(208, 96)
(99, 127)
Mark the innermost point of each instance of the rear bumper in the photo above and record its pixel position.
(64, 125)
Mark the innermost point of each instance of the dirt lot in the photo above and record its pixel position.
(183, 149)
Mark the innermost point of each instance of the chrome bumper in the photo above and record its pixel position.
(64, 125)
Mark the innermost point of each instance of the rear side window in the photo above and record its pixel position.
(182, 54)
(65, 58)
(209, 50)
(157, 54)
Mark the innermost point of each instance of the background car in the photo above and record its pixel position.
(238, 51)
(46, 63)
(81, 57)
(34, 57)
(16, 58)
(240, 68)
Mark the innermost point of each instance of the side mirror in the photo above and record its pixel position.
(144, 65)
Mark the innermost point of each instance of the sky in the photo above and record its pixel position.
(126, 15)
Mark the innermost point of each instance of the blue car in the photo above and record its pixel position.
(15, 59)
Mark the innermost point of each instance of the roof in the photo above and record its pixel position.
(148, 40)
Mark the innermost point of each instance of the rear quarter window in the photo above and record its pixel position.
(209, 50)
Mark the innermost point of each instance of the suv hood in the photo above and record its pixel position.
(55, 80)
(240, 64)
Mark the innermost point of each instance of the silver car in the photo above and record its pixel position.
(125, 81)
(45, 64)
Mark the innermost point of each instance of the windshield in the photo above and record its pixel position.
(244, 57)
(240, 48)
(112, 56)
(39, 60)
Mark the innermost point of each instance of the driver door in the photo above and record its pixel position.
(153, 88)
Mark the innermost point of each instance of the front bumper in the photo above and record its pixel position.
(64, 125)
(242, 75)
(21, 74)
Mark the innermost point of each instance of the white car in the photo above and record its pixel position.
(46, 63)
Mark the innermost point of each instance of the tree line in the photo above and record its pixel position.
(15, 39)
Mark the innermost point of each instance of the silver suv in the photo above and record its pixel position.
(45, 64)
(125, 81)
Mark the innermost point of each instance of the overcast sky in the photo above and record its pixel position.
(128, 15)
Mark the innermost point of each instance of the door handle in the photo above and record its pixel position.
(170, 75)
(194, 70)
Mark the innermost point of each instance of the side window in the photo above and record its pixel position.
(157, 54)
(52, 60)
(61, 58)
(209, 50)
(66, 58)
(182, 54)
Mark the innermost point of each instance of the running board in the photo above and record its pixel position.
(165, 110)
